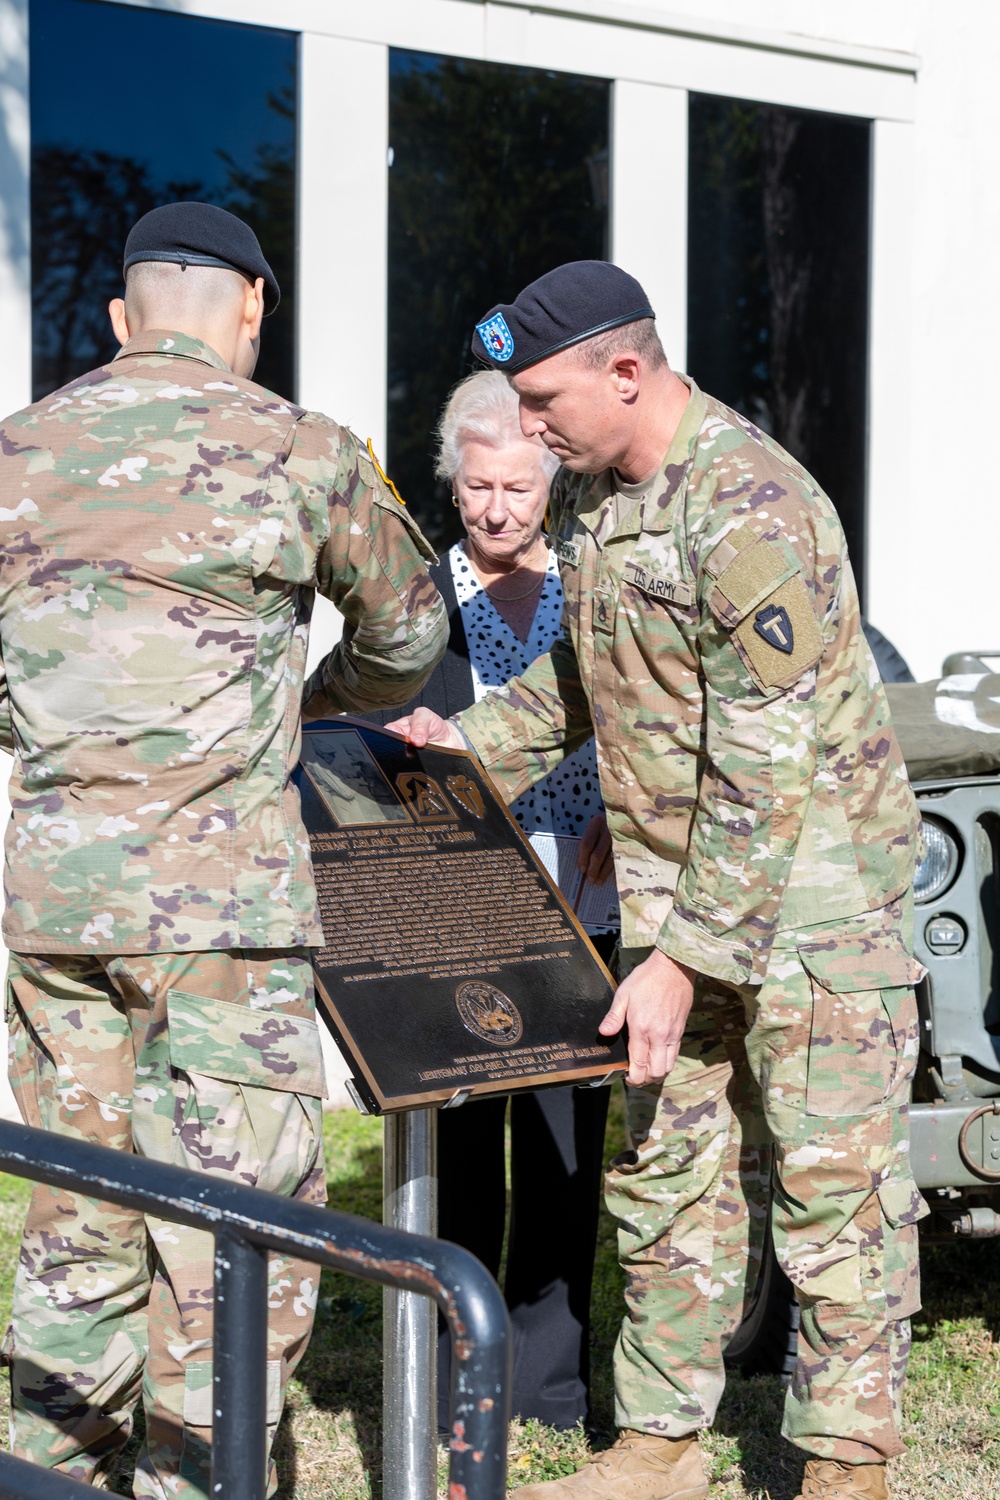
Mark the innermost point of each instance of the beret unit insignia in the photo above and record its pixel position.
(497, 338)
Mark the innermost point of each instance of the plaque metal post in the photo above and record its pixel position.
(409, 1389)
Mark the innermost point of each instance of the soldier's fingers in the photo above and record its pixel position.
(658, 1063)
(604, 863)
(590, 837)
(638, 1060)
(615, 1018)
(424, 727)
(599, 867)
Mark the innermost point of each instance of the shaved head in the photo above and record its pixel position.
(160, 293)
(220, 307)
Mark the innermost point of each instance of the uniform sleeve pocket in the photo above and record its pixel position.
(719, 850)
(258, 1048)
(863, 1033)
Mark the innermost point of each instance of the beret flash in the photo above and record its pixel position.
(565, 306)
(199, 234)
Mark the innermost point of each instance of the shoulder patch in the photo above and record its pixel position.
(383, 475)
(781, 639)
(747, 567)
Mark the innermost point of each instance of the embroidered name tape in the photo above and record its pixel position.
(670, 590)
(569, 552)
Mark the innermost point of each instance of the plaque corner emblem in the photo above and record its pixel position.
(423, 796)
(467, 795)
(488, 1013)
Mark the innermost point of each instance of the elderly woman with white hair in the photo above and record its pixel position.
(504, 598)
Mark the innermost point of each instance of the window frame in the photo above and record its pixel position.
(652, 61)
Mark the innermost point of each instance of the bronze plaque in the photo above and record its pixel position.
(452, 964)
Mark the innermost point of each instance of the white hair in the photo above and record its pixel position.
(483, 408)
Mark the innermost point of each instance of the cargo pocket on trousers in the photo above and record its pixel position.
(264, 1049)
(863, 1033)
(198, 1392)
(236, 1061)
(902, 1205)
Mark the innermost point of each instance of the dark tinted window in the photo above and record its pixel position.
(778, 282)
(498, 174)
(131, 108)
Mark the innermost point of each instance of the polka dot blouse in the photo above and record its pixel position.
(564, 801)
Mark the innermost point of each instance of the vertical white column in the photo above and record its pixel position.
(895, 525)
(15, 300)
(343, 278)
(343, 205)
(15, 261)
(649, 171)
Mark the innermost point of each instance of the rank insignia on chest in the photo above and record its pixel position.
(773, 625)
(569, 552)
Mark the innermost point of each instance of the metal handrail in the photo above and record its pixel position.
(248, 1222)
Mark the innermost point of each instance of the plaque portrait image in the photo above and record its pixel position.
(349, 781)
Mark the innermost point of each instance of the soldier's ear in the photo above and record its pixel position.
(626, 374)
(253, 310)
(116, 312)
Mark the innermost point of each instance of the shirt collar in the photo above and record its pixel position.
(178, 345)
(657, 507)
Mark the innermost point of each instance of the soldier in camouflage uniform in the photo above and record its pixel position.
(764, 837)
(164, 525)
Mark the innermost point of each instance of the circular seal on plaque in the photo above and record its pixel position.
(488, 1013)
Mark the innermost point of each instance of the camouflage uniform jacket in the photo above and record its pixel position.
(163, 524)
(711, 635)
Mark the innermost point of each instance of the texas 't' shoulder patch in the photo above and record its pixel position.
(781, 639)
(772, 624)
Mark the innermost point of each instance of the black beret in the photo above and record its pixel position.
(563, 307)
(199, 234)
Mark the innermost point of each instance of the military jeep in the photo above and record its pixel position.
(949, 730)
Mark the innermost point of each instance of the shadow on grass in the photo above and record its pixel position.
(958, 1280)
(750, 1413)
(342, 1368)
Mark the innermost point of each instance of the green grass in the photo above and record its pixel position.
(329, 1441)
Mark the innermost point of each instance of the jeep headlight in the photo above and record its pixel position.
(939, 866)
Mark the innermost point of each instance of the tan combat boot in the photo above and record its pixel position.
(640, 1466)
(826, 1479)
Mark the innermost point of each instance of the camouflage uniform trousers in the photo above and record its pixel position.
(765, 1105)
(190, 1058)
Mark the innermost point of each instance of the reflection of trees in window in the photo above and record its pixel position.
(778, 282)
(83, 204)
(498, 174)
(85, 196)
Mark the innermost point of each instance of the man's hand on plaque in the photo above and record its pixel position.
(654, 1002)
(423, 727)
(594, 856)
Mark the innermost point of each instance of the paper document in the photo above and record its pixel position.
(596, 906)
